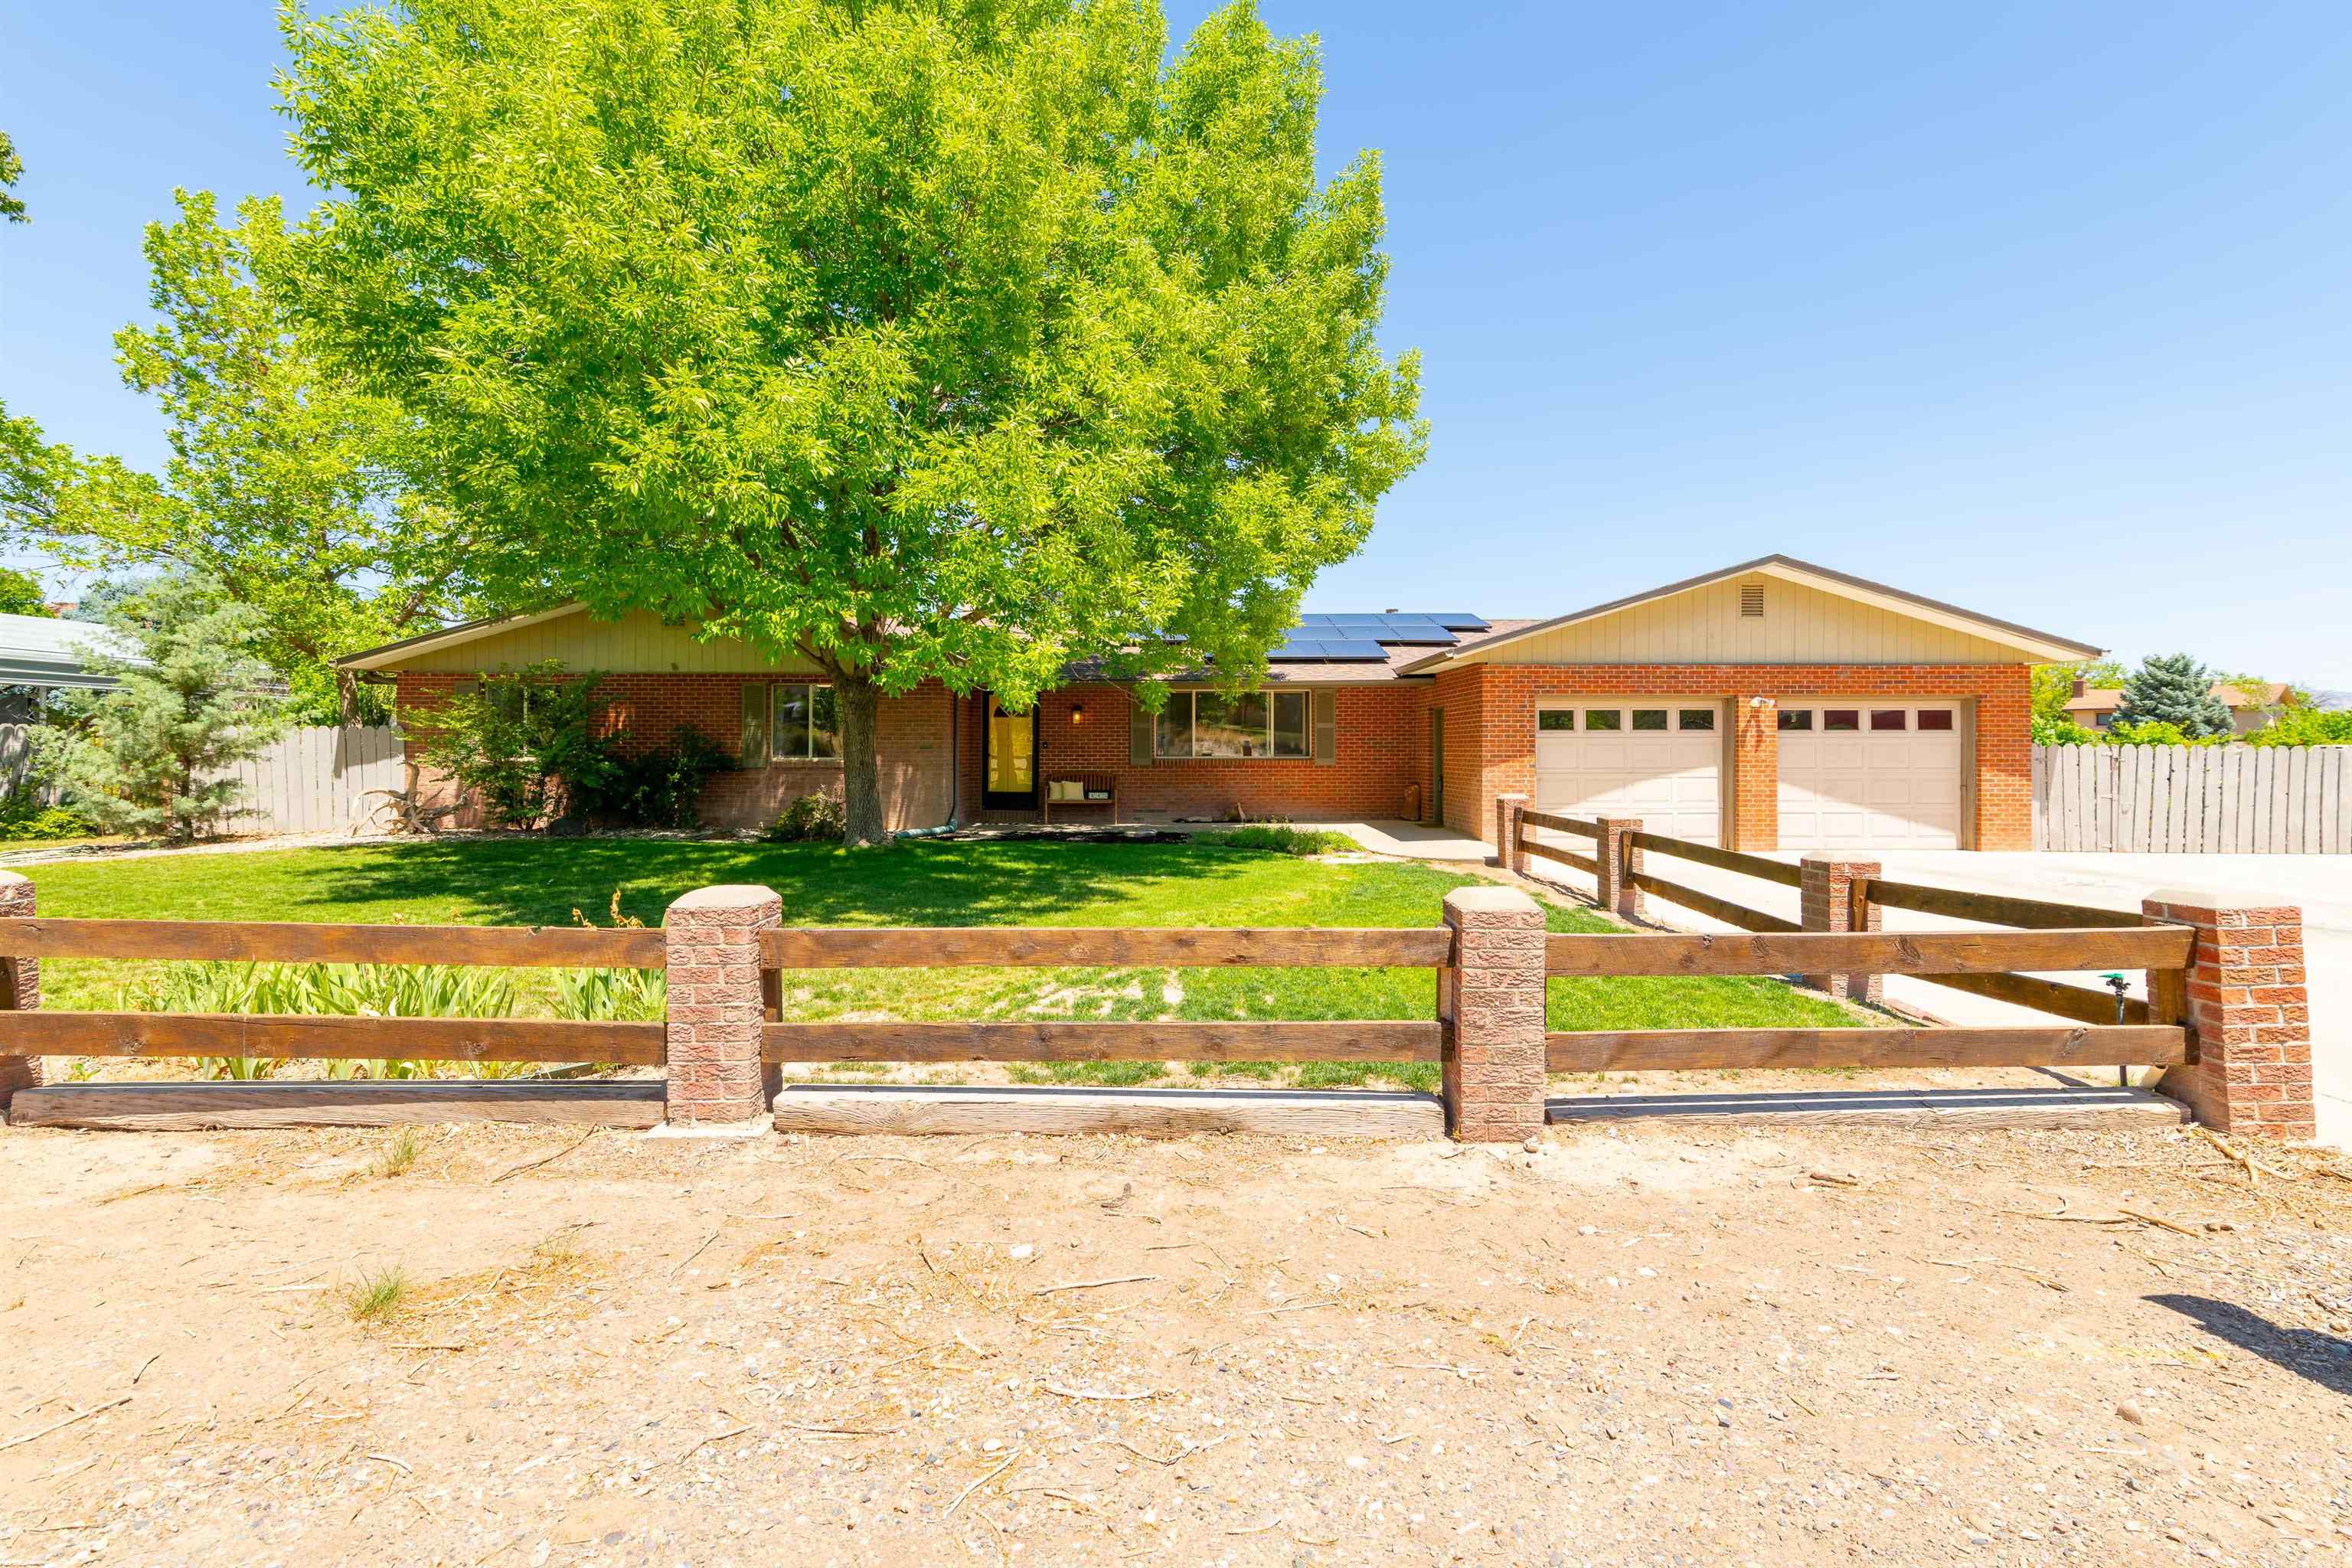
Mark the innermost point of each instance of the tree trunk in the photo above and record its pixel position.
(859, 703)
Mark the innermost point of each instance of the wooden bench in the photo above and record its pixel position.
(1100, 789)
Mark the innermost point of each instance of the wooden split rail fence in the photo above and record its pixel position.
(1850, 904)
(1464, 968)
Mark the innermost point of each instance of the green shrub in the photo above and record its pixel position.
(2159, 732)
(808, 820)
(1281, 841)
(659, 789)
(2306, 727)
(23, 820)
(2063, 732)
(518, 735)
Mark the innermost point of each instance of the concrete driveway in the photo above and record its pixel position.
(2320, 884)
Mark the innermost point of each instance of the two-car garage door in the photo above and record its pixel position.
(1855, 774)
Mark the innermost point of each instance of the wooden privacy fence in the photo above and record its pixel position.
(311, 779)
(2194, 800)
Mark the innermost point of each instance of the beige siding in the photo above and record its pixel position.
(1799, 626)
(637, 643)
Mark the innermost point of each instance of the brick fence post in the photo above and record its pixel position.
(1509, 832)
(1494, 1029)
(1826, 902)
(2248, 1010)
(716, 1005)
(1619, 862)
(20, 989)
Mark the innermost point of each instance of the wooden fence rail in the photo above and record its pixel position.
(2152, 1033)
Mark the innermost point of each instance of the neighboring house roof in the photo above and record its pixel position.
(37, 651)
(2107, 698)
(2037, 647)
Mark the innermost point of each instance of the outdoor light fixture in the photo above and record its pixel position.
(1077, 713)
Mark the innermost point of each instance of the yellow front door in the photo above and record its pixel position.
(1012, 752)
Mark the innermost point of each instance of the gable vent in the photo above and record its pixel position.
(1752, 600)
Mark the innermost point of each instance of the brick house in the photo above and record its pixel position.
(1770, 705)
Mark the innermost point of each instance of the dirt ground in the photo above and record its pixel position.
(1652, 1345)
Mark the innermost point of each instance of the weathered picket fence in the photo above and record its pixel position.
(2194, 800)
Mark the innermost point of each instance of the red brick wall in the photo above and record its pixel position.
(1494, 751)
(1382, 749)
(911, 742)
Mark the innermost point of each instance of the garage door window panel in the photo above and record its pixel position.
(1602, 719)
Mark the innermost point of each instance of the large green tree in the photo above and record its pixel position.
(153, 752)
(933, 338)
(288, 486)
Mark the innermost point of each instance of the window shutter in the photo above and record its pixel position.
(1326, 728)
(1138, 733)
(755, 725)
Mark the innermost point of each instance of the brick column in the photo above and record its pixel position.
(2249, 1013)
(1494, 1049)
(1755, 802)
(1509, 832)
(20, 988)
(715, 1004)
(1826, 902)
(1618, 860)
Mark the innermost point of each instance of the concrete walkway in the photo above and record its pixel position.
(1413, 840)
(2320, 884)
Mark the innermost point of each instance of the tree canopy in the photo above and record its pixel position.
(949, 339)
(288, 487)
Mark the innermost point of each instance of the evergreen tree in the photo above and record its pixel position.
(2175, 689)
(153, 752)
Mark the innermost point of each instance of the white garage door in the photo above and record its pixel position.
(1870, 776)
(1663, 765)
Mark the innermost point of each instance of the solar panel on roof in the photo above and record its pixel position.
(1461, 623)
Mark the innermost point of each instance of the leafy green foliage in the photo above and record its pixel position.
(2156, 732)
(21, 594)
(2176, 690)
(148, 755)
(1281, 841)
(287, 485)
(810, 819)
(933, 338)
(313, 989)
(523, 741)
(2063, 732)
(661, 788)
(23, 820)
(11, 169)
(2054, 685)
(2306, 727)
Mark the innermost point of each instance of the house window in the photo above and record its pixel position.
(807, 728)
(1215, 724)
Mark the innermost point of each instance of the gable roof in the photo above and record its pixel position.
(392, 653)
(36, 650)
(2035, 645)
(2241, 699)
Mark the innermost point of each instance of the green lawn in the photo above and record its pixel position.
(536, 882)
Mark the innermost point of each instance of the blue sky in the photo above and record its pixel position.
(2040, 309)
